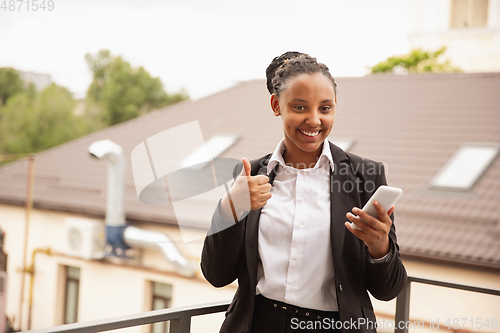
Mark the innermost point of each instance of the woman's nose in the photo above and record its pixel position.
(313, 119)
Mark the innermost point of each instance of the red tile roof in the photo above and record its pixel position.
(412, 123)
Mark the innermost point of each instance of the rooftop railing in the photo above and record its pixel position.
(180, 317)
(403, 300)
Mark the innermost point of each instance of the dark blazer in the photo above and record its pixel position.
(232, 253)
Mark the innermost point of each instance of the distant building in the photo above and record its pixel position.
(469, 28)
(41, 81)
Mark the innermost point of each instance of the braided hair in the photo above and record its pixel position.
(291, 64)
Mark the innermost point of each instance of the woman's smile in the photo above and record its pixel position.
(310, 135)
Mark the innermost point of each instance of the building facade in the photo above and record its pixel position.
(470, 29)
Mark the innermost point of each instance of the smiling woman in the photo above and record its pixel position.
(288, 243)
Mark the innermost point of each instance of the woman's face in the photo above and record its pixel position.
(307, 110)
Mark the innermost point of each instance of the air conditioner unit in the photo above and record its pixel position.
(84, 237)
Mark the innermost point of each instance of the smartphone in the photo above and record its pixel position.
(386, 196)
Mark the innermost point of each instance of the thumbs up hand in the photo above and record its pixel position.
(247, 193)
(258, 186)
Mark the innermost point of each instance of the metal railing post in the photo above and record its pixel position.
(181, 325)
(403, 309)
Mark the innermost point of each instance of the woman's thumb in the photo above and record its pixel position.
(246, 166)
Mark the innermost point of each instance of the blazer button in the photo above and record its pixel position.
(340, 288)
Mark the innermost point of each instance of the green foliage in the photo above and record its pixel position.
(417, 61)
(11, 83)
(31, 122)
(123, 92)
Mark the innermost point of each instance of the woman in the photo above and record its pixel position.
(298, 269)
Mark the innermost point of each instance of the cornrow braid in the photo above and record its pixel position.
(275, 64)
(291, 64)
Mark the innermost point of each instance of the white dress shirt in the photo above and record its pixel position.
(295, 255)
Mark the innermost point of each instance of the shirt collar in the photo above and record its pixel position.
(277, 156)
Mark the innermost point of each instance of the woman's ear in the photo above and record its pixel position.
(275, 105)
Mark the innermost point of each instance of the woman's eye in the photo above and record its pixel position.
(325, 108)
(299, 107)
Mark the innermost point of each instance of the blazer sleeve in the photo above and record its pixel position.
(220, 257)
(386, 280)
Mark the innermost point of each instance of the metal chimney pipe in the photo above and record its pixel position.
(112, 153)
(118, 234)
(135, 237)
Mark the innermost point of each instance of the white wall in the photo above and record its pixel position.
(429, 16)
(107, 289)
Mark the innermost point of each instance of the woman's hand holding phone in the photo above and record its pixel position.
(373, 224)
(374, 232)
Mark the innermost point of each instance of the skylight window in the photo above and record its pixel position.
(466, 166)
(344, 143)
(212, 149)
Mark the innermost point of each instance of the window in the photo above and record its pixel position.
(344, 143)
(213, 147)
(162, 299)
(465, 167)
(469, 13)
(72, 290)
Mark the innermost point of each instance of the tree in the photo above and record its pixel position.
(11, 83)
(123, 92)
(31, 122)
(417, 61)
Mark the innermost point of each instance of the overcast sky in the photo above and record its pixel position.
(204, 46)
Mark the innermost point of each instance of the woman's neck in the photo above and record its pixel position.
(300, 159)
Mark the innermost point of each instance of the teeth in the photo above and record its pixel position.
(309, 133)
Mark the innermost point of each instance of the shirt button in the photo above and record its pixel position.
(340, 288)
(292, 289)
(300, 199)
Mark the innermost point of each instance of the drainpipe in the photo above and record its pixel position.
(29, 208)
(118, 234)
(31, 270)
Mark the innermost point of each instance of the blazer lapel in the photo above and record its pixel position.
(252, 229)
(338, 200)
